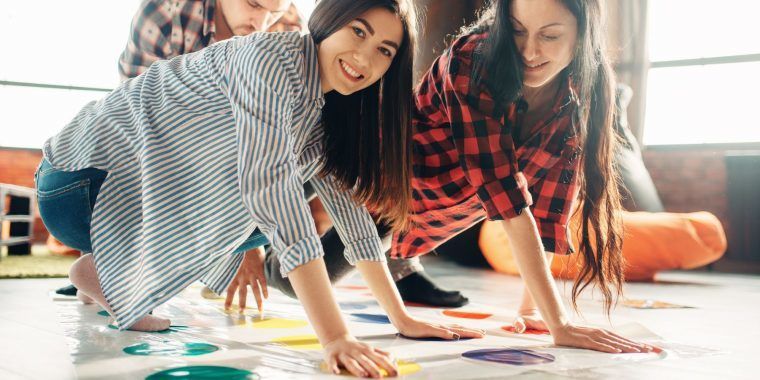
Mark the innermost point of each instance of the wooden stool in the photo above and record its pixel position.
(17, 220)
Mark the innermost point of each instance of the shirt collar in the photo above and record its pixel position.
(311, 71)
(567, 95)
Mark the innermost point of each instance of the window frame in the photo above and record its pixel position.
(677, 63)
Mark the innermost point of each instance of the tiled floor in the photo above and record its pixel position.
(725, 317)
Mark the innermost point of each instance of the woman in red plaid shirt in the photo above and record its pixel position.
(514, 123)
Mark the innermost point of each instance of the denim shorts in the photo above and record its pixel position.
(66, 200)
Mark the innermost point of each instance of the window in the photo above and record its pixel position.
(704, 74)
(52, 45)
(57, 57)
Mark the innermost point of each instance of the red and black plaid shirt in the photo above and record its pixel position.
(468, 165)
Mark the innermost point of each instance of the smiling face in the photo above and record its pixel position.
(545, 34)
(244, 17)
(358, 54)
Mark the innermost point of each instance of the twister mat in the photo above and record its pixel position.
(206, 341)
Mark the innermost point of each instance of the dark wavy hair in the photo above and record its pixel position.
(499, 67)
(368, 134)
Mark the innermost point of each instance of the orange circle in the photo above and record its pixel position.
(527, 331)
(466, 314)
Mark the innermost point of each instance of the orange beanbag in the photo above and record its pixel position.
(653, 242)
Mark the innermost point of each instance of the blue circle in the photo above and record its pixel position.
(352, 306)
(371, 318)
(509, 356)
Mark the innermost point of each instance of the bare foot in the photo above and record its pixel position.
(84, 276)
(150, 323)
(84, 298)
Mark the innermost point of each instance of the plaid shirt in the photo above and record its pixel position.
(469, 163)
(163, 29)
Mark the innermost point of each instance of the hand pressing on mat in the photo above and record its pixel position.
(528, 316)
(376, 274)
(250, 274)
(529, 319)
(361, 359)
(541, 292)
(414, 328)
(596, 339)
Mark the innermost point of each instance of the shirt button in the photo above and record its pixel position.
(574, 155)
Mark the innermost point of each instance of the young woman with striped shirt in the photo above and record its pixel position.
(204, 156)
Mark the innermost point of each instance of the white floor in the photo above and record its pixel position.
(715, 339)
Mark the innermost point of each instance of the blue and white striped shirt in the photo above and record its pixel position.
(200, 150)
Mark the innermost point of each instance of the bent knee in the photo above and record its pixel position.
(83, 268)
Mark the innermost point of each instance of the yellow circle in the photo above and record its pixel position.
(404, 368)
(299, 342)
(277, 323)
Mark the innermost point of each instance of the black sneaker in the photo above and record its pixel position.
(69, 290)
(419, 287)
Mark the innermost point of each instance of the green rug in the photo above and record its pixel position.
(40, 264)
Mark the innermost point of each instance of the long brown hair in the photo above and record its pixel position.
(368, 134)
(601, 227)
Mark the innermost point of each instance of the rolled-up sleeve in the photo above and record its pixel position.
(260, 88)
(353, 222)
(484, 143)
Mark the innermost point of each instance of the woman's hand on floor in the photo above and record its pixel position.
(250, 274)
(596, 339)
(359, 358)
(415, 328)
(529, 319)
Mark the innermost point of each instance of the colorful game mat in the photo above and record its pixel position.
(206, 341)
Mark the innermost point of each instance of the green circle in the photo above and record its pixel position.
(170, 348)
(203, 372)
(171, 329)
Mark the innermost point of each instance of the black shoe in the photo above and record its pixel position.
(418, 287)
(69, 290)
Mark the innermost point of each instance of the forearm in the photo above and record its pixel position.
(534, 269)
(377, 277)
(526, 303)
(312, 286)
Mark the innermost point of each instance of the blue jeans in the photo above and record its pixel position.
(66, 199)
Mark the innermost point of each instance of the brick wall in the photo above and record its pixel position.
(690, 180)
(17, 167)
